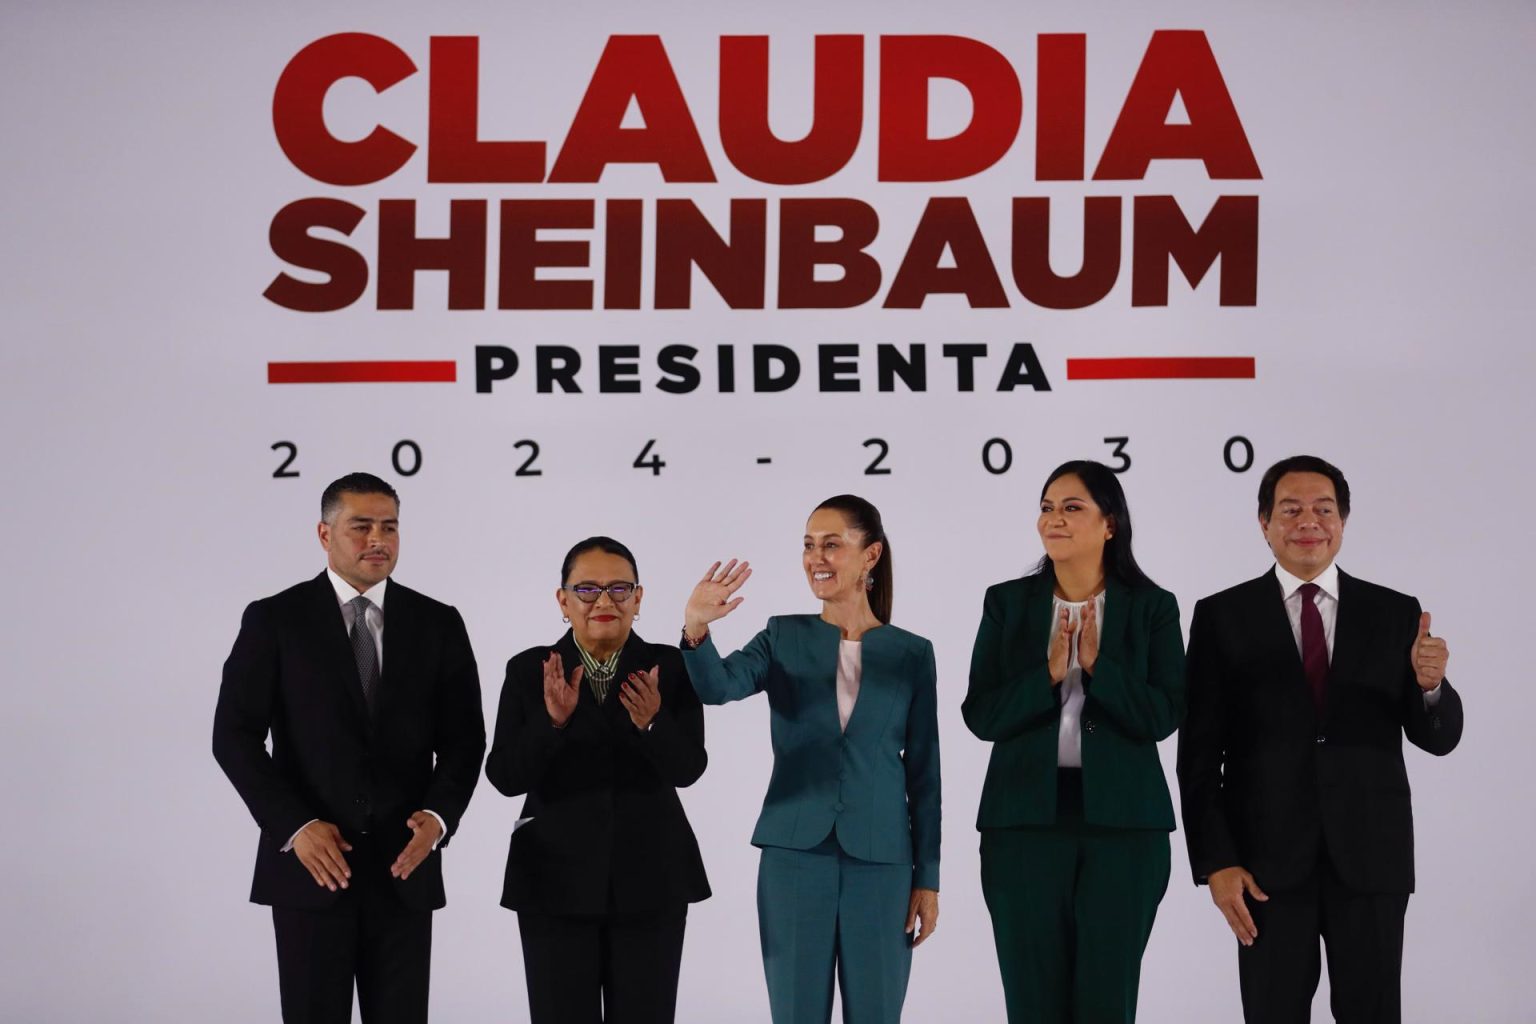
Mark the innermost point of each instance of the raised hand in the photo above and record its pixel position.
(1061, 649)
(560, 696)
(1088, 638)
(1429, 656)
(319, 847)
(641, 697)
(712, 596)
(1227, 889)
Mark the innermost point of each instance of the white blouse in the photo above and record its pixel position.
(850, 667)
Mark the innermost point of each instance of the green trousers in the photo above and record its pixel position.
(821, 912)
(1072, 907)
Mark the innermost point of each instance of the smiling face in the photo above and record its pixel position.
(836, 560)
(602, 626)
(362, 541)
(1071, 526)
(1304, 529)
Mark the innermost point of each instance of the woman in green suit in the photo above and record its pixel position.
(1077, 673)
(848, 877)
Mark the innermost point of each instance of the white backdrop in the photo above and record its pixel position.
(140, 174)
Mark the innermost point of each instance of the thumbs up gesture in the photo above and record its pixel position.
(1428, 656)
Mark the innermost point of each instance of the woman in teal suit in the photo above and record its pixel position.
(1077, 673)
(848, 877)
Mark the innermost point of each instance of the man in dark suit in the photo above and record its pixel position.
(371, 697)
(1302, 684)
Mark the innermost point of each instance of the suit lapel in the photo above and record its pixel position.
(401, 626)
(1272, 624)
(1038, 602)
(1349, 633)
(335, 646)
(878, 670)
(1117, 599)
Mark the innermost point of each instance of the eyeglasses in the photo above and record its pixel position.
(588, 593)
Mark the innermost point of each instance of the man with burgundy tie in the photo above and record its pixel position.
(371, 697)
(1302, 685)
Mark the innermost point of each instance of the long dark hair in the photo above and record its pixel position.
(1104, 488)
(865, 518)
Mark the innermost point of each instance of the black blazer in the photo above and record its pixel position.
(1266, 783)
(608, 834)
(292, 673)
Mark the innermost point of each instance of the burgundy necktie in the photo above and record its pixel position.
(1314, 646)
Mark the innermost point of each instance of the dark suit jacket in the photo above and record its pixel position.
(877, 783)
(608, 834)
(1134, 698)
(1267, 785)
(292, 674)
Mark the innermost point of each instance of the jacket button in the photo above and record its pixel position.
(1088, 725)
(838, 807)
(1322, 739)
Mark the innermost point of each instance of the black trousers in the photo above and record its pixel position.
(368, 938)
(1363, 935)
(615, 970)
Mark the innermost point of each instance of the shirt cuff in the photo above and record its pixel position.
(440, 824)
(1432, 697)
(289, 845)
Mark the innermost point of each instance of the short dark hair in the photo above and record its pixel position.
(1301, 464)
(607, 545)
(352, 483)
(1105, 490)
(865, 518)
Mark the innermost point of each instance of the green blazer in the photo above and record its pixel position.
(877, 784)
(1134, 698)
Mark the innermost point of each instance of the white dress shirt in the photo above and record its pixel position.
(1069, 737)
(345, 594)
(1326, 600)
(850, 669)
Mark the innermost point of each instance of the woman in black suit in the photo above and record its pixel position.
(599, 730)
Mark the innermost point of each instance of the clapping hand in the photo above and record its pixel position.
(1429, 656)
(641, 697)
(1061, 648)
(711, 598)
(1088, 638)
(560, 696)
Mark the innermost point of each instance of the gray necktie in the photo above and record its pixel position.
(364, 651)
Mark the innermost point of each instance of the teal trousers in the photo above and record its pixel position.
(1072, 907)
(821, 912)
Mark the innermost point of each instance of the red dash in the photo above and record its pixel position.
(1162, 368)
(409, 371)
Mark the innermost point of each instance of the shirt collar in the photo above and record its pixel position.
(605, 667)
(345, 592)
(1327, 581)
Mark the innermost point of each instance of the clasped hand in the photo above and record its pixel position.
(1087, 632)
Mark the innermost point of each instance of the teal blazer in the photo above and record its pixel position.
(877, 784)
(1134, 698)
